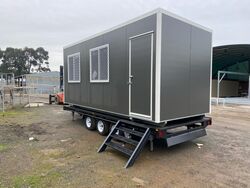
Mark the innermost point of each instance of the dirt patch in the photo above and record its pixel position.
(12, 133)
(18, 132)
(37, 128)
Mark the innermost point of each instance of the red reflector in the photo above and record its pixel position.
(161, 134)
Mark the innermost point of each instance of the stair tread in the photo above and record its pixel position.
(137, 133)
(124, 139)
(120, 148)
(112, 140)
(133, 123)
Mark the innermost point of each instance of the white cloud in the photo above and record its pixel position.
(54, 24)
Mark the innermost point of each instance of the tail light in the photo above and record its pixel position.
(160, 133)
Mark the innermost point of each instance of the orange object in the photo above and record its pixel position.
(60, 98)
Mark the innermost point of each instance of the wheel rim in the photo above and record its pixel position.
(100, 126)
(88, 122)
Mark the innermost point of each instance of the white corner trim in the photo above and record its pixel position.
(71, 55)
(184, 19)
(211, 68)
(158, 67)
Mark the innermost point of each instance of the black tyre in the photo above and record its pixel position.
(89, 123)
(103, 127)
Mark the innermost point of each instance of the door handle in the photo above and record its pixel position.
(129, 83)
(130, 78)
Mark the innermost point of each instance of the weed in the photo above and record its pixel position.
(3, 147)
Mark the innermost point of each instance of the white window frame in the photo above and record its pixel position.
(90, 63)
(74, 81)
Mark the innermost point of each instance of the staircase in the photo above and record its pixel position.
(128, 138)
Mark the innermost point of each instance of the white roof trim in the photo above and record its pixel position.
(184, 20)
(158, 10)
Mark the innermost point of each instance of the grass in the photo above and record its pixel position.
(36, 180)
(3, 147)
(13, 112)
(42, 176)
(18, 115)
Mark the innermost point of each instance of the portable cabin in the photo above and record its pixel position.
(154, 69)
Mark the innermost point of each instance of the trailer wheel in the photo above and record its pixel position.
(89, 123)
(103, 127)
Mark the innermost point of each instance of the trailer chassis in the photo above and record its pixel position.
(137, 132)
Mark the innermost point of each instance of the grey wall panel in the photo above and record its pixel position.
(84, 86)
(175, 68)
(76, 96)
(112, 96)
(185, 71)
(116, 91)
(200, 71)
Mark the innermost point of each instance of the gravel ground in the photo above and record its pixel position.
(63, 154)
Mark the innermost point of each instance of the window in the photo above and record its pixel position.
(99, 64)
(74, 68)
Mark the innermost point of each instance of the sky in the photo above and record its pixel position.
(54, 24)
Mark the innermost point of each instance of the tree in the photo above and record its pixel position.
(24, 61)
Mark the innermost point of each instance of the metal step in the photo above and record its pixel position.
(127, 127)
(130, 131)
(120, 148)
(124, 139)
